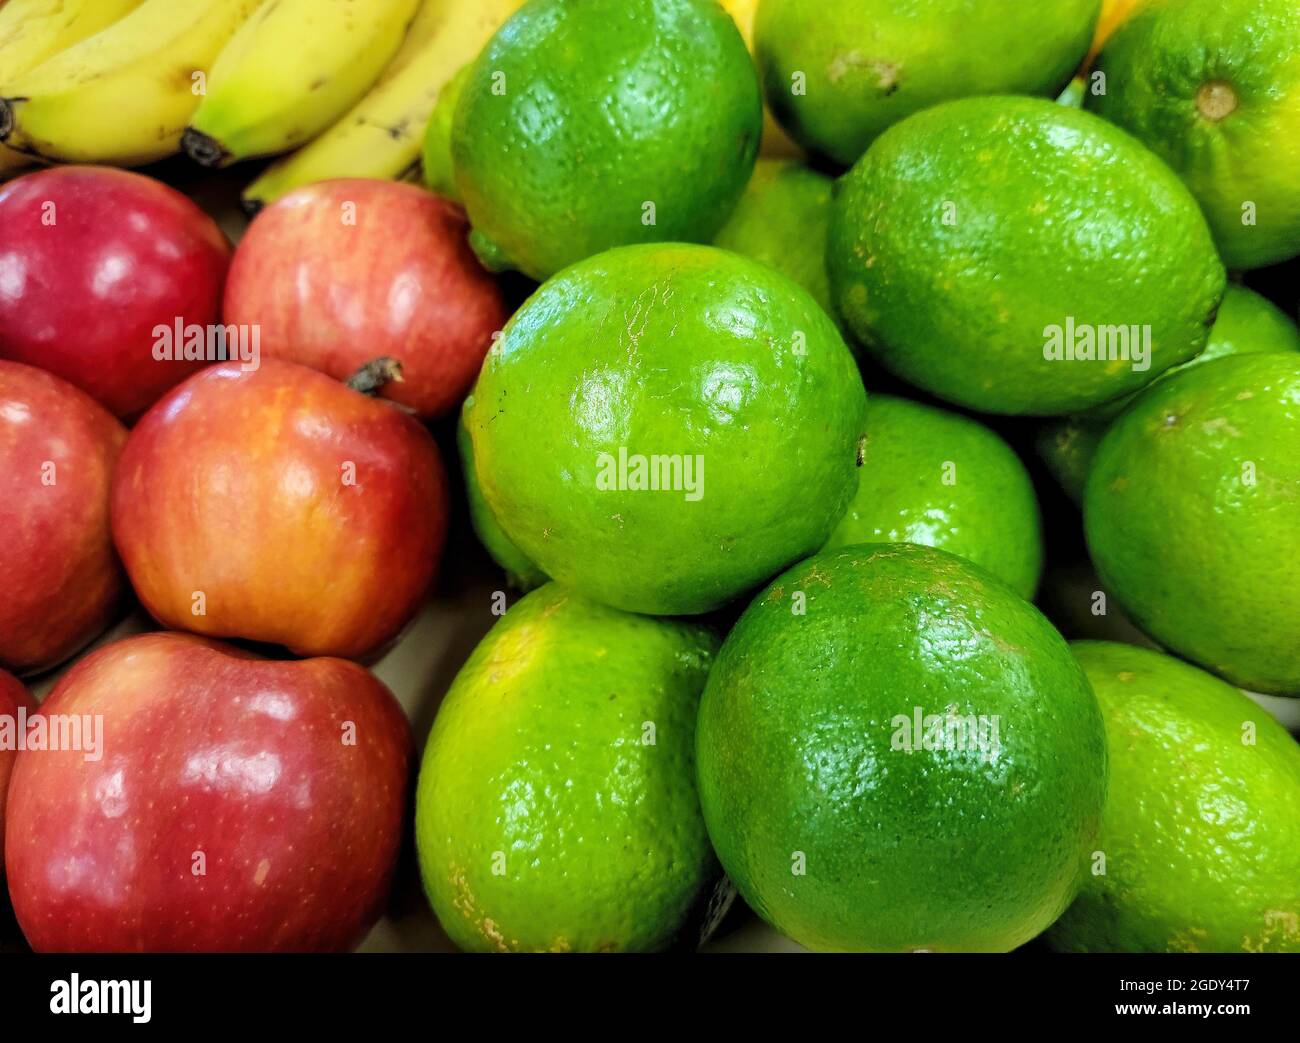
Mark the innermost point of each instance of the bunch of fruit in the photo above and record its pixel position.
(776, 634)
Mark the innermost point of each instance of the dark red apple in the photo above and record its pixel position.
(280, 505)
(341, 272)
(93, 263)
(236, 804)
(60, 580)
(12, 696)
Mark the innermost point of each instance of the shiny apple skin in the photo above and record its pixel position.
(401, 281)
(12, 695)
(81, 297)
(235, 485)
(209, 749)
(60, 581)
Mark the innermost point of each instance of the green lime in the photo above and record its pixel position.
(1213, 86)
(1018, 256)
(522, 573)
(782, 220)
(898, 752)
(1199, 850)
(1192, 514)
(439, 171)
(556, 807)
(665, 427)
(585, 126)
(837, 73)
(942, 480)
(1247, 324)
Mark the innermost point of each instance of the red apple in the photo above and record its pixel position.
(92, 262)
(60, 580)
(280, 505)
(12, 696)
(341, 272)
(234, 803)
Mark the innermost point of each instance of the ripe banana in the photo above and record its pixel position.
(33, 30)
(293, 69)
(124, 95)
(381, 137)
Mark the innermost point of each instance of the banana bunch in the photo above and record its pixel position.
(290, 71)
(382, 135)
(125, 94)
(33, 30)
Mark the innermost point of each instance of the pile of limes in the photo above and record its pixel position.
(890, 748)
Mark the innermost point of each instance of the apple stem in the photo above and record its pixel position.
(371, 378)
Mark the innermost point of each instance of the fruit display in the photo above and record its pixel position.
(647, 476)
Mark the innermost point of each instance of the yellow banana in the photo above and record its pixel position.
(381, 137)
(293, 69)
(33, 30)
(124, 95)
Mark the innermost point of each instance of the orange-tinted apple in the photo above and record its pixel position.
(280, 505)
(341, 272)
(232, 803)
(93, 263)
(60, 581)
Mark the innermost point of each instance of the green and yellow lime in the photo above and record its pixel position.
(838, 73)
(898, 753)
(665, 427)
(1213, 87)
(556, 808)
(1192, 514)
(585, 126)
(1018, 256)
(940, 479)
(1199, 850)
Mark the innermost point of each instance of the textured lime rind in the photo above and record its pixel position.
(844, 841)
(721, 369)
(1199, 835)
(1192, 514)
(973, 235)
(1213, 87)
(556, 807)
(940, 479)
(585, 126)
(837, 73)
